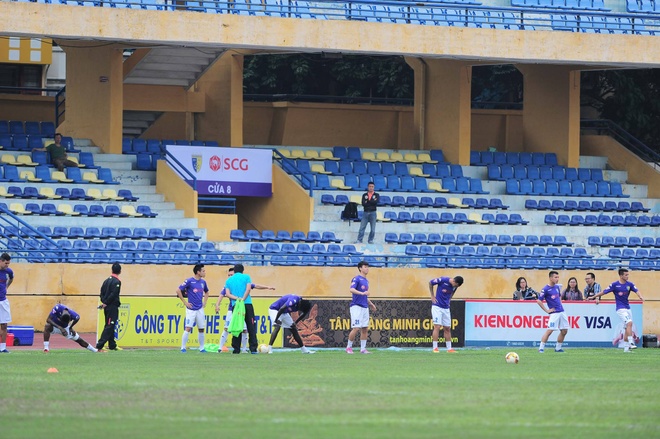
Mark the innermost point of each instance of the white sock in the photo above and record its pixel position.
(184, 339)
(631, 340)
(244, 341)
(89, 347)
(46, 345)
(349, 345)
(557, 346)
(304, 349)
(541, 345)
(448, 344)
(223, 339)
(363, 344)
(201, 340)
(435, 345)
(3, 346)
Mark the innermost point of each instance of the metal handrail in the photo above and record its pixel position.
(60, 108)
(290, 168)
(181, 167)
(634, 145)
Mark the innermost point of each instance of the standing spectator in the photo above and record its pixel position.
(6, 278)
(225, 333)
(524, 291)
(369, 203)
(446, 287)
(621, 290)
(592, 287)
(197, 292)
(551, 293)
(572, 292)
(238, 287)
(280, 314)
(110, 291)
(61, 320)
(360, 305)
(58, 156)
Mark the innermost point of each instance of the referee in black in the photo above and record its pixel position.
(110, 304)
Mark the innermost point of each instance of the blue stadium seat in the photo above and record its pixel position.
(157, 233)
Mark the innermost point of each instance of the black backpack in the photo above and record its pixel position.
(350, 211)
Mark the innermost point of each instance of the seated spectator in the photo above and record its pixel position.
(57, 153)
(592, 287)
(572, 292)
(523, 291)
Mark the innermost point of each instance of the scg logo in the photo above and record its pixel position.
(234, 164)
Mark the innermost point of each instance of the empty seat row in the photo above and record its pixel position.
(325, 260)
(496, 251)
(317, 249)
(283, 235)
(628, 253)
(134, 146)
(99, 257)
(545, 172)
(522, 263)
(46, 174)
(413, 201)
(139, 246)
(395, 183)
(23, 142)
(30, 127)
(47, 192)
(565, 187)
(584, 206)
(64, 209)
(647, 6)
(603, 220)
(477, 239)
(355, 153)
(485, 158)
(74, 232)
(623, 241)
(361, 167)
(598, 5)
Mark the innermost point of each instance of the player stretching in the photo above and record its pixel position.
(360, 308)
(551, 293)
(440, 308)
(621, 290)
(280, 314)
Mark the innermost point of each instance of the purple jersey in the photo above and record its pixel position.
(231, 302)
(195, 289)
(56, 315)
(443, 292)
(552, 296)
(291, 302)
(360, 283)
(621, 293)
(5, 275)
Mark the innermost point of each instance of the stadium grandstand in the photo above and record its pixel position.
(489, 194)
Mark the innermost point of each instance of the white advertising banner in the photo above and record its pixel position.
(522, 323)
(228, 172)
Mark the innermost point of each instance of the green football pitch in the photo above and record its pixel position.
(590, 393)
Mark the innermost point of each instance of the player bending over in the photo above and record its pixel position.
(279, 313)
(61, 320)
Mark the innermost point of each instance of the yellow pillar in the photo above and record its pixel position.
(442, 114)
(94, 94)
(223, 85)
(551, 111)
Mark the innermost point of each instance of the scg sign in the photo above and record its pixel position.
(228, 164)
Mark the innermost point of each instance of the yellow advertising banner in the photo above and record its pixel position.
(158, 322)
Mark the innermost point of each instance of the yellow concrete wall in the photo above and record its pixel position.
(618, 157)
(290, 208)
(176, 190)
(94, 95)
(162, 98)
(222, 85)
(282, 34)
(217, 226)
(27, 107)
(171, 126)
(38, 287)
(499, 128)
(311, 124)
(551, 112)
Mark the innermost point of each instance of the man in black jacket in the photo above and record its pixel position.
(369, 203)
(110, 304)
